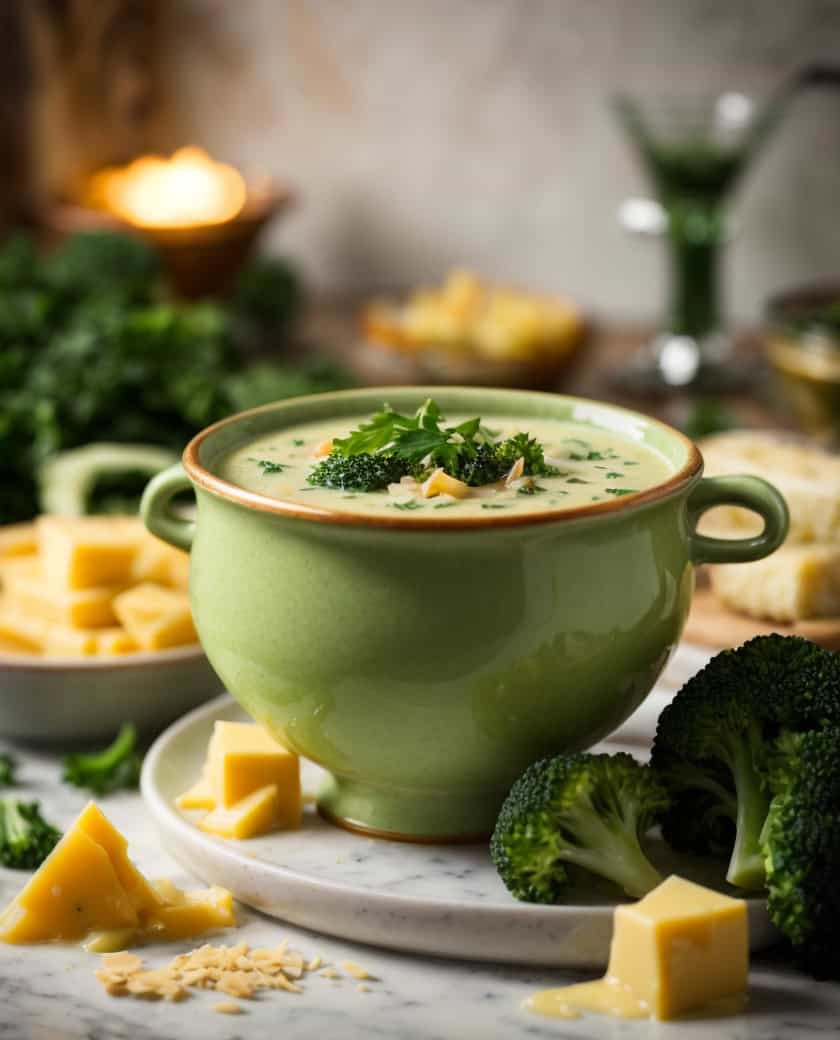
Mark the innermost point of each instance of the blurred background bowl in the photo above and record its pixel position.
(67, 700)
(803, 347)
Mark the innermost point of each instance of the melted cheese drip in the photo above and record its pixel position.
(607, 996)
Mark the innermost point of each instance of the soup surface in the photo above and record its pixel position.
(594, 465)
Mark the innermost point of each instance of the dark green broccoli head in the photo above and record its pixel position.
(583, 810)
(801, 847)
(363, 472)
(26, 839)
(712, 742)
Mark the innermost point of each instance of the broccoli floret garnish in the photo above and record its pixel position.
(363, 472)
(713, 741)
(26, 839)
(390, 446)
(7, 770)
(800, 843)
(582, 810)
(118, 766)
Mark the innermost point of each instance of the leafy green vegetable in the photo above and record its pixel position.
(364, 472)
(582, 810)
(90, 350)
(118, 766)
(26, 839)
(7, 769)
(267, 295)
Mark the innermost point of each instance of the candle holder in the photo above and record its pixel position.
(199, 259)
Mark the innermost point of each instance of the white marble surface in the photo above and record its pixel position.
(47, 993)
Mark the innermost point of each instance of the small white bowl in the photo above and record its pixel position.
(68, 699)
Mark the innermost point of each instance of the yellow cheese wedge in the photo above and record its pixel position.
(160, 563)
(74, 892)
(192, 914)
(77, 608)
(18, 540)
(156, 617)
(243, 757)
(89, 888)
(199, 796)
(20, 631)
(440, 483)
(99, 828)
(87, 552)
(61, 641)
(114, 641)
(681, 949)
(255, 814)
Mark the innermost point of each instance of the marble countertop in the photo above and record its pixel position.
(50, 992)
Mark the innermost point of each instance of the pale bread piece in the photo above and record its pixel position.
(794, 583)
(808, 478)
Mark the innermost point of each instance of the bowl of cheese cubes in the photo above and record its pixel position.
(469, 331)
(95, 630)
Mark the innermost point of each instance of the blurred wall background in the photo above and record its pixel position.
(429, 132)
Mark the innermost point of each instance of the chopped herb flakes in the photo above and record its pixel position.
(614, 476)
(576, 480)
(269, 467)
(531, 489)
(620, 491)
(407, 506)
(298, 442)
(493, 505)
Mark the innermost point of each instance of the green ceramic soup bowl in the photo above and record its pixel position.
(425, 663)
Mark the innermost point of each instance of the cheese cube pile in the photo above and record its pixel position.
(802, 579)
(249, 782)
(88, 888)
(88, 586)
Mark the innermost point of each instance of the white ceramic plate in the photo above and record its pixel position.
(433, 899)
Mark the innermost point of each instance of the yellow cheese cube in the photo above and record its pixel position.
(77, 608)
(60, 641)
(681, 947)
(98, 828)
(75, 891)
(160, 563)
(192, 914)
(255, 814)
(156, 617)
(18, 540)
(87, 552)
(20, 631)
(114, 641)
(199, 796)
(243, 757)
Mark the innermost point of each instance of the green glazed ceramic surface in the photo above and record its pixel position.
(425, 665)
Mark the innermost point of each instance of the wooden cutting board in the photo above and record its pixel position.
(713, 625)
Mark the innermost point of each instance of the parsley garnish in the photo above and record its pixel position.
(298, 442)
(267, 466)
(621, 491)
(445, 505)
(614, 476)
(492, 505)
(576, 480)
(531, 489)
(407, 505)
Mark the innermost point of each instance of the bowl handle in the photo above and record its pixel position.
(155, 511)
(751, 493)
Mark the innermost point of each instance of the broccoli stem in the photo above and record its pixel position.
(610, 849)
(746, 866)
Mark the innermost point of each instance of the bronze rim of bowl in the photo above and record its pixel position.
(687, 474)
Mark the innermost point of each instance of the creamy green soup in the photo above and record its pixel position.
(593, 465)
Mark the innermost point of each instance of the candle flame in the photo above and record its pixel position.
(186, 190)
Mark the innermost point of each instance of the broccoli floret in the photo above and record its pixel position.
(26, 839)
(800, 844)
(584, 810)
(712, 743)
(363, 472)
(7, 770)
(118, 766)
(522, 446)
